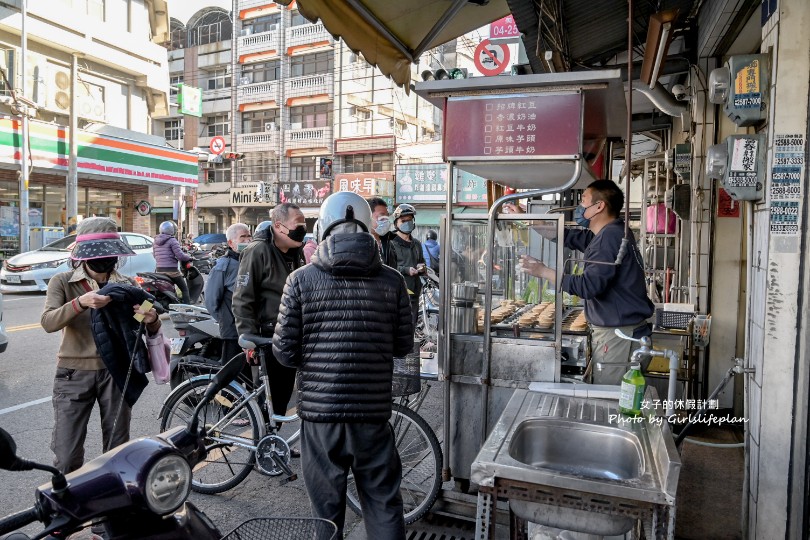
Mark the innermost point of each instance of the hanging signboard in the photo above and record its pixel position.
(304, 192)
(366, 184)
(189, 99)
(422, 183)
(519, 127)
(471, 189)
(504, 28)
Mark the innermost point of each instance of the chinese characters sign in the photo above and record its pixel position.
(471, 189)
(304, 192)
(786, 183)
(252, 195)
(423, 183)
(746, 87)
(513, 127)
(504, 28)
(366, 184)
(743, 170)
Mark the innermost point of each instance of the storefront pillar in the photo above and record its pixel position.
(131, 220)
(778, 347)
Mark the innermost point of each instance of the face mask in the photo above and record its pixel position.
(579, 215)
(297, 234)
(383, 224)
(407, 226)
(104, 265)
(240, 247)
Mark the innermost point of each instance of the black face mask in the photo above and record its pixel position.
(103, 265)
(297, 234)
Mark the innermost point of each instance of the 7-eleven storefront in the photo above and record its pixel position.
(114, 175)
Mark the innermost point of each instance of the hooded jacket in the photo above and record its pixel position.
(343, 319)
(430, 251)
(115, 332)
(260, 283)
(168, 253)
(219, 293)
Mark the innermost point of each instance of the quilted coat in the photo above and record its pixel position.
(342, 320)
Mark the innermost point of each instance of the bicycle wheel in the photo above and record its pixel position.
(226, 464)
(421, 458)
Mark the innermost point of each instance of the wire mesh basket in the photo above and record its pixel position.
(677, 320)
(406, 380)
(284, 528)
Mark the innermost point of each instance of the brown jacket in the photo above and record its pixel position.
(62, 312)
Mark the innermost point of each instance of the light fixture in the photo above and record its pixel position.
(549, 57)
(659, 34)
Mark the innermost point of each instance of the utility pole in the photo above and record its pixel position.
(72, 185)
(24, 222)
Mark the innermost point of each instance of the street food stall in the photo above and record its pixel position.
(539, 135)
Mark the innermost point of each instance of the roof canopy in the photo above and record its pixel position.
(391, 35)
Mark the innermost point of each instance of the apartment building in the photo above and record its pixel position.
(306, 115)
(115, 49)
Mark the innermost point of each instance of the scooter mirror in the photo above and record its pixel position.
(8, 451)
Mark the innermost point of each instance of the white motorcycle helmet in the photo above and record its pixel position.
(343, 207)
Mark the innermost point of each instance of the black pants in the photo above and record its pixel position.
(282, 382)
(329, 450)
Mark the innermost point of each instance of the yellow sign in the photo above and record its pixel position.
(747, 81)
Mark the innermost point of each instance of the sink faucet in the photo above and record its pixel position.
(646, 351)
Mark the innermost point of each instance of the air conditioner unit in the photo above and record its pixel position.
(270, 126)
(272, 28)
(90, 97)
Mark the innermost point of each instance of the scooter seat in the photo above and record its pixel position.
(251, 341)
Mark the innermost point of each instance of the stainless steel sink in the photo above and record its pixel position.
(594, 471)
(577, 448)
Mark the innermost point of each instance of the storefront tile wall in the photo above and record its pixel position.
(131, 220)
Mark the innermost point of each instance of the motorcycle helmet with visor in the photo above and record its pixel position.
(343, 207)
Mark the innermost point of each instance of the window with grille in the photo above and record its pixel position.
(218, 79)
(261, 72)
(218, 172)
(302, 168)
(260, 121)
(368, 163)
(311, 64)
(217, 125)
(173, 130)
(173, 82)
(311, 116)
(258, 25)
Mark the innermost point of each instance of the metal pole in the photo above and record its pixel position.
(24, 223)
(628, 149)
(72, 185)
(444, 320)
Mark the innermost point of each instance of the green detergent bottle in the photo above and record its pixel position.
(632, 391)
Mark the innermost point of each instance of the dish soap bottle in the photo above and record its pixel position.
(632, 391)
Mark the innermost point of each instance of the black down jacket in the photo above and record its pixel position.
(342, 321)
(115, 332)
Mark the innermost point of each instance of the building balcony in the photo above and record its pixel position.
(261, 42)
(308, 86)
(247, 4)
(267, 141)
(300, 38)
(295, 139)
(257, 92)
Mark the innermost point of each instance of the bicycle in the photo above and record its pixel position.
(238, 440)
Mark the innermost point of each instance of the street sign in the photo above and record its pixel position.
(217, 145)
(491, 58)
(504, 28)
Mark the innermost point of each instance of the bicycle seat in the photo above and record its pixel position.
(251, 341)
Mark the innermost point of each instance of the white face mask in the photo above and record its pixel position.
(383, 225)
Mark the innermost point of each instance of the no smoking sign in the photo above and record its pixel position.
(491, 58)
(217, 145)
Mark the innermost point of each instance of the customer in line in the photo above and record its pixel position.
(342, 321)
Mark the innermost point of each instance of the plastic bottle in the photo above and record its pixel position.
(632, 391)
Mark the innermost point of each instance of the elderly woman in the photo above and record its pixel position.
(81, 377)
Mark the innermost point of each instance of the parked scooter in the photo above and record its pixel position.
(197, 350)
(137, 490)
(166, 292)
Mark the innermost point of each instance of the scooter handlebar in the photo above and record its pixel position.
(19, 520)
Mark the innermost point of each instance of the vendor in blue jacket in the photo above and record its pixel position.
(615, 295)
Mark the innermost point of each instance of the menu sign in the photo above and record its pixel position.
(513, 127)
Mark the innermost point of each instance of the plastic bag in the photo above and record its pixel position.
(159, 354)
(660, 220)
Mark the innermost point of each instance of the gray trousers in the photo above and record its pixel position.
(606, 346)
(75, 392)
(328, 451)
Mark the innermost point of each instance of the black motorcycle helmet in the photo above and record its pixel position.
(431, 235)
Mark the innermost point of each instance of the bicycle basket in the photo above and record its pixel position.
(406, 380)
(283, 528)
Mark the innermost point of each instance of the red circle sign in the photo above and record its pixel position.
(491, 58)
(217, 145)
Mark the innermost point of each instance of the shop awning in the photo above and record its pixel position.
(392, 35)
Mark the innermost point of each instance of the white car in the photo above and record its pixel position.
(31, 271)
